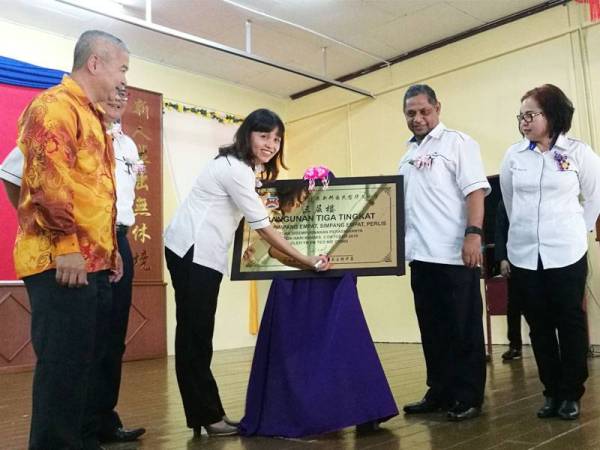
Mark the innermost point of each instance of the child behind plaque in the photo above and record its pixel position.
(315, 368)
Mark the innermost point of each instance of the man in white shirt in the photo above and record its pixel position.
(108, 375)
(11, 173)
(445, 185)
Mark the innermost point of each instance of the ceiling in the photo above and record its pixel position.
(383, 28)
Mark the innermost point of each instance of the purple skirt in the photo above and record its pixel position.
(315, 367)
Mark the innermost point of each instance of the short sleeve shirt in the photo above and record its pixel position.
(438, 175)
(127, 163)
(224, 192)
(11, 169)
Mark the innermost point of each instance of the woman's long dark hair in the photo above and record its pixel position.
(261, 120)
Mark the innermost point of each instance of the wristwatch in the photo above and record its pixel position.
(473, 230)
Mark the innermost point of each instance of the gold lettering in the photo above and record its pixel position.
(140, 233)
(139, 131)
(142, 182)
(140, 207)
(141, 108)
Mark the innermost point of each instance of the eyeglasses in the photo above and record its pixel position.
(528, 116)
(122, 95)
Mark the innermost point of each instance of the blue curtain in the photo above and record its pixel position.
(19, 73)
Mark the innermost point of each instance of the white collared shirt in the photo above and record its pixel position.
(208, 217)
(125, 152)
(126, 162)
(11, 169)
(542, 202)
(435, 193)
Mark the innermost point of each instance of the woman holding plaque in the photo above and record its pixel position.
(197, 242)
(551, 189)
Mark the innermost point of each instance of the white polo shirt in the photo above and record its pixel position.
(208, 217)
(542, 199)
(438, 175)
(125, 154)
(11, 169)
(126, 160)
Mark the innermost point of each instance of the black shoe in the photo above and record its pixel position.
(511, 354)
(550, 408)
(462, 411)
(121, 435)
(92, 444)
(217, 429)
(422, 407)
(569, 410)
(368, 427)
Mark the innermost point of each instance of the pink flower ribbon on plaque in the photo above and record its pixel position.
(312, 174)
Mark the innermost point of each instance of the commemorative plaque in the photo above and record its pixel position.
(357, 221)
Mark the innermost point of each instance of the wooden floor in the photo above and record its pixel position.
(150, 398)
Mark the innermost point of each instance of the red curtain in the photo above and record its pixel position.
(13, 100)
(594, 9)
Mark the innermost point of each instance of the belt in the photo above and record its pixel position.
(122, 229)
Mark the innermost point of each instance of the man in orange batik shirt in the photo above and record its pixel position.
(65, 250)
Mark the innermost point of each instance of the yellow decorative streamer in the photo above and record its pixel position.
(202, 112)
(253, 319)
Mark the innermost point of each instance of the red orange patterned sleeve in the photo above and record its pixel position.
(49, 135)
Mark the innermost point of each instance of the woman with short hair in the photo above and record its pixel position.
(542, 179)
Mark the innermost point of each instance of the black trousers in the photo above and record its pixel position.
(449, 310)
(108, 373)
(553, 308)
(66, 329)
(513, 316)
(196, 291)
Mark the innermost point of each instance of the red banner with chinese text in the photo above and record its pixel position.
(142, 122)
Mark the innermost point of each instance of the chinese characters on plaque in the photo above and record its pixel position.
(357, 221)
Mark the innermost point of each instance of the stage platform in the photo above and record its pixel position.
(150, 398)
